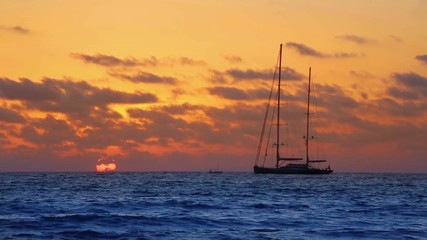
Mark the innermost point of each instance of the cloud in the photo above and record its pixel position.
(407, 109)
(229, 93)
(16, 29)
(7, 115)
(345, 55)
(77, 120)
(350, 122)
(400, 93)
(422, 58)
(227, 125)
(305, 50)
(105, 60)
(181, 108)
(396, 39)
(413, 82)
(356, 39)
(145, 77)
(27, 90)
(54, 131)
(189, 61)
(150, 61)
(250, 74)
(361, 74)
(162, 125)
(291, 74)
(233, 59)
(112, 61)
(218, 77)
(86, 120)
(199, 130)
(240, 112)
(233, 93)
(67, 96)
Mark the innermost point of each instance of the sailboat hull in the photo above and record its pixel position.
(264, 170)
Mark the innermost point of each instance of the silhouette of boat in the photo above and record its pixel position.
(285, 165)
(216, 171)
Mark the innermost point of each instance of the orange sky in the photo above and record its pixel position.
(182, 85)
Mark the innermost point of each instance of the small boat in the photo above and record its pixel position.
(286, 165)
(217, 171)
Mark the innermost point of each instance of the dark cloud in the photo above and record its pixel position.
(149, 61)
(333, 97)
(341, 111)
(7, 115)
(233, 59)
(361, 74)
(240, 113)
(162, 125)
(27, 90)
(305, 50)
(422, 58)
(218, 77)
(106, 96)
(401, 93)
(345, 55)
(113, 133)
(407, 109)
(356, 39)
(229, 93)
(291, 74)
(228, 125)
(54, 131)
(249, 74)
(396, 39)
(183, 61)
(181, 108)
(16, 29)
(112, 61)
(145, 77)
(106, 60)
(239, 94)
(412, 82)
(189, 61)
(67, 96)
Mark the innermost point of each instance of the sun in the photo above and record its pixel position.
(105, 164)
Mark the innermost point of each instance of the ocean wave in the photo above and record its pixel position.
(199, 206)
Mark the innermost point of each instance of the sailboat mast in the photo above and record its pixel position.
(308, 118)
(278, 110)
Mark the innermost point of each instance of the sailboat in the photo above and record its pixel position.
(286, 165)
(215, 171)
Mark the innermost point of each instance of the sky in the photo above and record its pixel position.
(182, 85)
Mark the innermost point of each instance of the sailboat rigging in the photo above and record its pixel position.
(289, 168)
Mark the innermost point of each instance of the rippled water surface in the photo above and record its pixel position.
(212, 206)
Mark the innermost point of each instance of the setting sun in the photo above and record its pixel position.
(105, 165)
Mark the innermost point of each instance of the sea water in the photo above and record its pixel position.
(212, 206)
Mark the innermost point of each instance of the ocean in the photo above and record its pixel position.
(126, 205)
